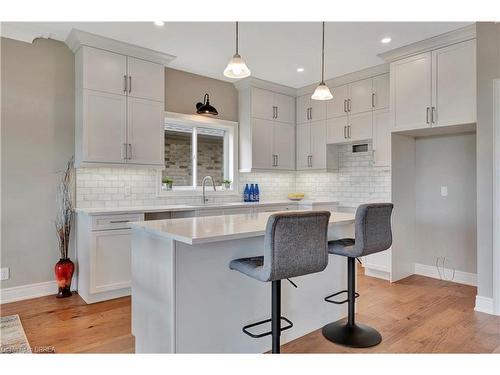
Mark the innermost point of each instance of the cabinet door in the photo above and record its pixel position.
(361, 127)
(337, 106)
(262, 104)
(145, 132)
(336, 130)
(318, 144)
(303, 104)
(381, 138)
(262, 143)
(285, 110)
(411, 92)
(146, 79)
(110, 266)
(104, 127)
(303, 146)
(381, 92)
(454, 84)
(104, 71)
(284, 146)
(361, 96)
(318, 110)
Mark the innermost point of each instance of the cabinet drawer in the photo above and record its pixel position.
(277, 208)
(120, 221)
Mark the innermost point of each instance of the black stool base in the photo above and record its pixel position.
(356, 336)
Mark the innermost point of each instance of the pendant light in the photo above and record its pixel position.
(236, 68)
(322, 92)
(205, 108)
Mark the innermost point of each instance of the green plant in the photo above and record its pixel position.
(227, 182)
(167, 180)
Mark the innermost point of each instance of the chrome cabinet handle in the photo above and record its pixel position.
(345, 105)
(307, 114)
(129, 84)
(427, 115)
(310, 113)
(124, 152)
(125, 83)
(373, 100)
(129, 151)
(310, 161)
(349, 105)
(433, 111)
(345, 128)
(276, 112)
(348, 131)
(277, 160)
(119, 221)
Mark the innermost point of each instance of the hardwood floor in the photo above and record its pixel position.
(414, 315)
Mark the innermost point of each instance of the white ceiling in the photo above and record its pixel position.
(273, 50)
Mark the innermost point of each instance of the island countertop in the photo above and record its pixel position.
(199, 230)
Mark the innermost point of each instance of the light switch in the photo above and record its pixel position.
(444, 191)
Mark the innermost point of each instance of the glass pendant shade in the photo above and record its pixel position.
(322, 92)
(236, 68)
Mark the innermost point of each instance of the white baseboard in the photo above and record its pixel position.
(461, 277)
(380, 274)
(484, 305)
(19, 293)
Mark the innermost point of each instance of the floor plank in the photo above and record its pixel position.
(414, 315)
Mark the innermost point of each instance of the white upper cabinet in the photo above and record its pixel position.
(303, 146)
(262, 104)
(454, 84)
(310, 110)
(103, 71)
(411, 92)
(145, 79)
(119, 109)
(266, 128)
(102, 127)
(436, 88)
(318, 145)
(145, 129)
(338, 105)
(269, 105)
(360, 99)
(360, 127)
(380, 98)
(336, 130)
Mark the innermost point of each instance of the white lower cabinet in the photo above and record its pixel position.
(110, 260)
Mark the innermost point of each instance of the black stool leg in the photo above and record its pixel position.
(351, 334)
(276, 315)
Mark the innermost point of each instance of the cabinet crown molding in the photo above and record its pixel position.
(78, 38)
(246, 83)
(442, 40)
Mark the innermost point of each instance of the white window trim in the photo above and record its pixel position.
(232, 149)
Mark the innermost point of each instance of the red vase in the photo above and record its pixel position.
(64, 272)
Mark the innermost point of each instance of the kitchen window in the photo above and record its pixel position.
(195, 147)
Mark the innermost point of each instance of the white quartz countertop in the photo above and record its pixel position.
(187, 207)
(198, 230)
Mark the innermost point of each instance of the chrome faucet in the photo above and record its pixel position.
(205, 199)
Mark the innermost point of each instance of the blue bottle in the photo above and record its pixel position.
(256, 193)
(246, 194)
(252, 193)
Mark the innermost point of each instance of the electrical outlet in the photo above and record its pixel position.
(444, 191)
(4, 274)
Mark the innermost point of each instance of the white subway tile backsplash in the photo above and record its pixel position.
(356, 182)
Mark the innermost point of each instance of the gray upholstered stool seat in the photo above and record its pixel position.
(372, 235)
(295, 244)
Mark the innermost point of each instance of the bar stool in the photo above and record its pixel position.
(295, 244)
(372, 235)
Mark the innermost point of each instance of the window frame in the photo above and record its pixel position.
(230, 154)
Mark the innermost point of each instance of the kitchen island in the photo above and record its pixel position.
(185, 299)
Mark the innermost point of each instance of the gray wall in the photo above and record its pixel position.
(183, 90)
(488, 68)
(37, 139)
(446, 226)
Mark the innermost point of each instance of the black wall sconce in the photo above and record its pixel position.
(205, 108)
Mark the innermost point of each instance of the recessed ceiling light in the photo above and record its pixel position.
(159, 23)
(386, 40)
(300, 70)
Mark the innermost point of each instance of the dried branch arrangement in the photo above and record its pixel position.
(64, 218)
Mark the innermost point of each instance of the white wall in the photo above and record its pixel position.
(446, 226)
(37, 140)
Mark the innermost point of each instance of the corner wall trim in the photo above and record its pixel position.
(461, 277)
(484, 305)
(19, 293)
